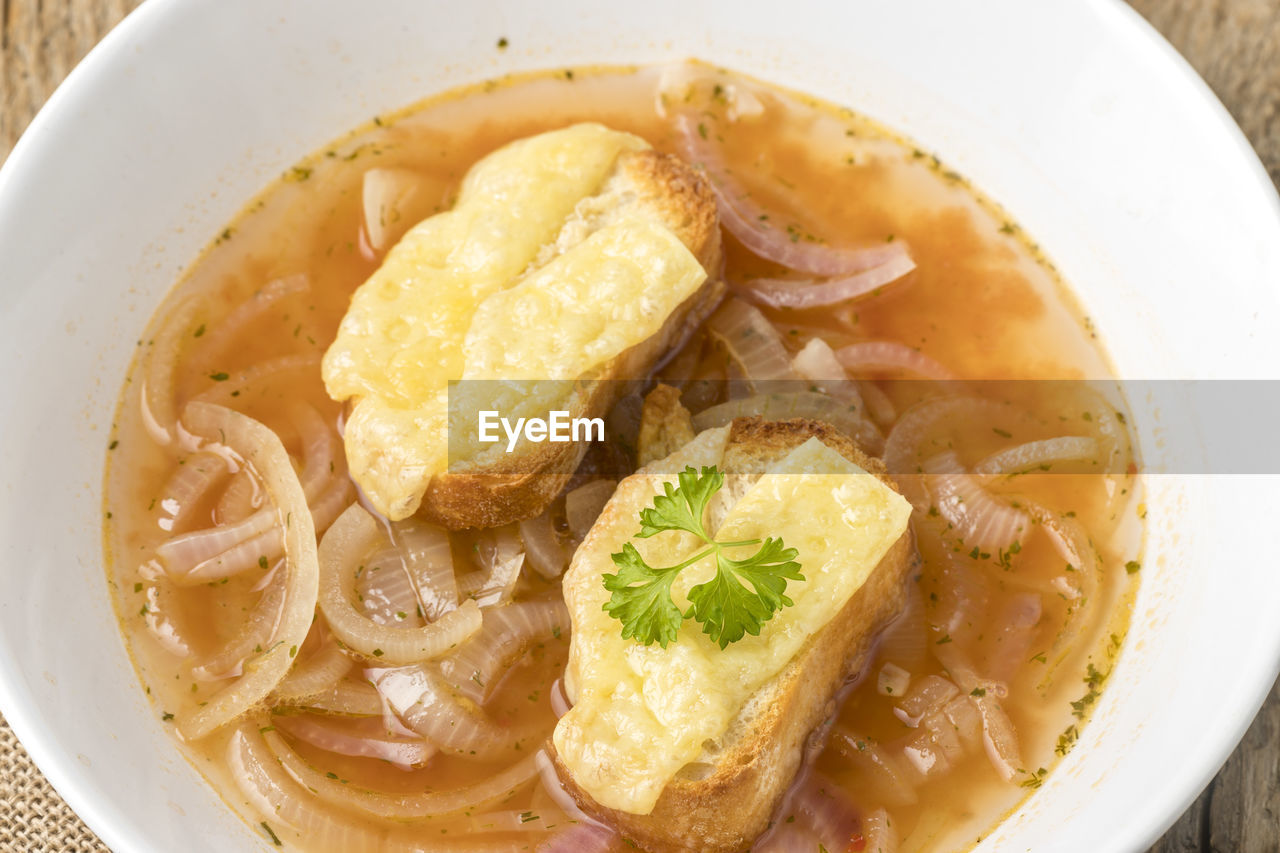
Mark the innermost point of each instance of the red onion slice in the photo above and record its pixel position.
(319, 673)
(187, 488)
(365, 737)
(240, 499)
(253, 638)
(750, 224)
(222, 336)
(817, 362)
(804, 294)
(501, 556)
(888, 355)
(428, 560)
(238, 387)
(385, 197)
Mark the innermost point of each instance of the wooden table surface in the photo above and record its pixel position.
(1234, 44)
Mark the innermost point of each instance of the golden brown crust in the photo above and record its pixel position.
(665, 424)
(728, 809)
(520, 486)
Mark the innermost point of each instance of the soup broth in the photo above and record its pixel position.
(1021, 628)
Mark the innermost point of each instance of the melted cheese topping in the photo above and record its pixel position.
(472, 293)
(641, 713)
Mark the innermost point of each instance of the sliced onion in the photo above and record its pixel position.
(893, 680)
(819, 816)
(221, 339)
(482, 795)
(801, 295)
(385, 196)
(584, 504)
(501, 557)
(183, 555)
(817, 362)
(878, 833)
(269, 788)
(187, 488)
(979, 518)
(885, 773)
(870, 356)
(345, 545)
(254, 637)
(263, 452)
(542, 547)
(385, 593)
(320, 672)
(474, 670)
(1036, 454)
(801, 404)
(365, 737)
(428, 560)
(426, 705)
(158, 398)
(751, 340)
(750, 224)
(927, 695)
(1014, 631)
(160, 614)
(234, 389)
(1072, 542)
(240, 499)
(348, 698)
(998, 734)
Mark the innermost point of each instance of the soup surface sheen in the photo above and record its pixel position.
(1021, 629)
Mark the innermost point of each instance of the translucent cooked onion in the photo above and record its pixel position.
(160, 614)
(159, 404)
(583, 505)
(213, 347)
(385, 593)
(979, 518)
(490, 791)
(1081, 569)
(365, 737)
(426, 704)
(542, 547)
(869, 356)
(1037, 454)
(194, 557)
(751, 340)
(800, 404)
(240, 499)
(348, 698)
(385, 195)
(892, 680)
(187, 488)
(501, 556)
(262, 451)
(428, 560)
(884, 772)
(316, 675)
(905, 642)
(1013, 632)
(927, 695)
(801, 295)
(475, 669)
(908, 442)
(817, 362)
(999, 737)
(254, 637)
(878, 833)
(342, 550)
(750, 224)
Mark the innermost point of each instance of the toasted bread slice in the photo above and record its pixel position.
(579, 255)
(723, 800)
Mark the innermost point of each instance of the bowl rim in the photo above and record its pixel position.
(40, 739)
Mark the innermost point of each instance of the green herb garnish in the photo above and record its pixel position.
(743, 595)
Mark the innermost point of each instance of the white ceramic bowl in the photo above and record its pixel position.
(1075, 116)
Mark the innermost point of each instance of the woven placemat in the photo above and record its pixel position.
(1235, 44)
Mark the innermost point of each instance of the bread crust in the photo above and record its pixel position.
(728, 809)
(519, 486)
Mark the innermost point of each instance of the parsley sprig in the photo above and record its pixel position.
(743, 595)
